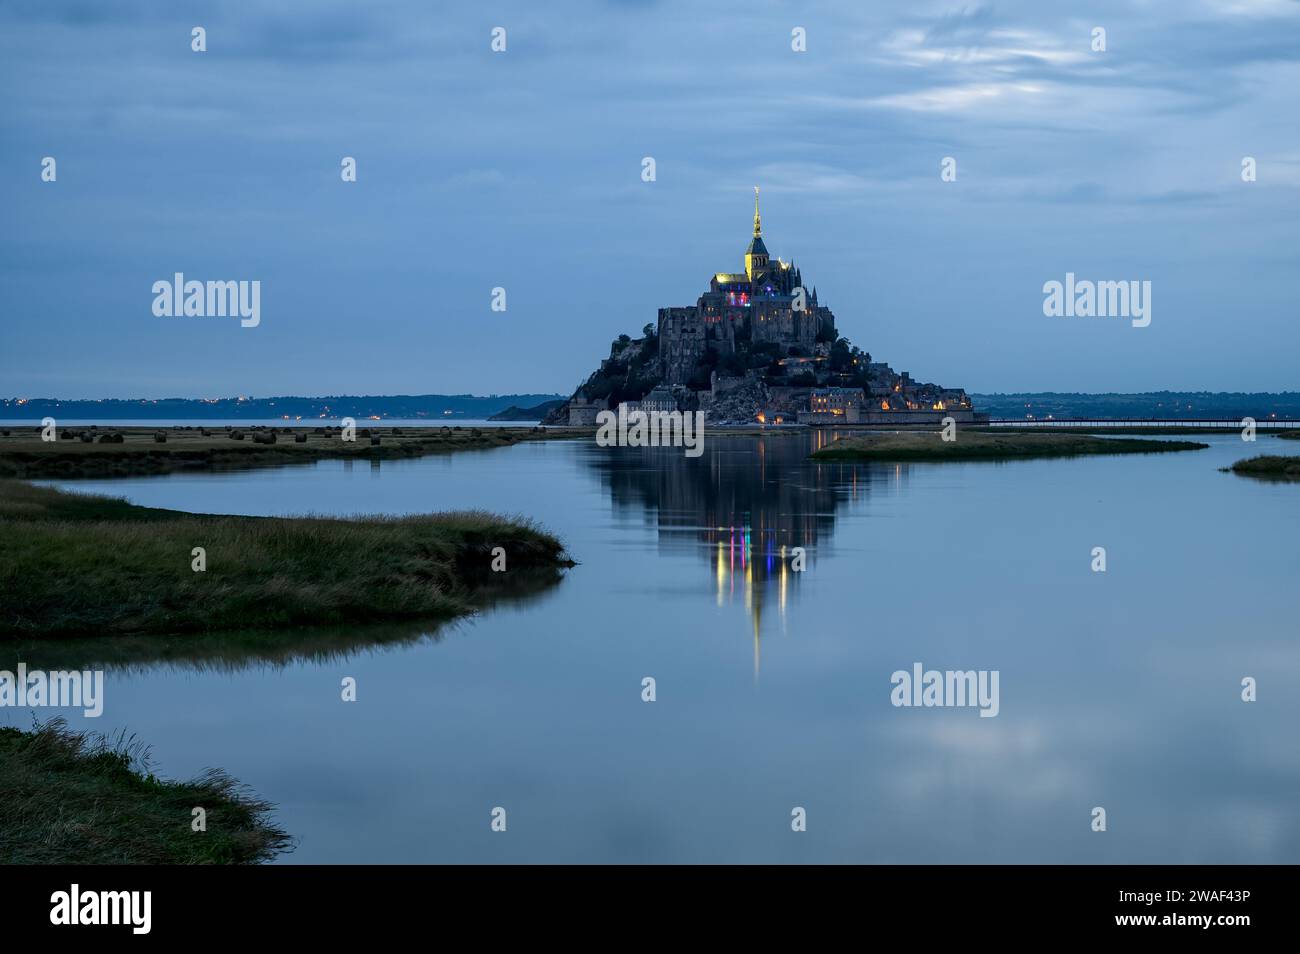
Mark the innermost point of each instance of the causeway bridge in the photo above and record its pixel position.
(1097, 423)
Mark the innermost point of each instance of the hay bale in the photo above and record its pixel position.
(160, 437)
(374, 440)
(300, 438)
(236, 435)
(66, 435)
(87, 437)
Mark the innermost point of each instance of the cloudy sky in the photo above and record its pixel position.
(522, 169)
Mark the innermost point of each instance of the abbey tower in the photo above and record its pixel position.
(766, 303)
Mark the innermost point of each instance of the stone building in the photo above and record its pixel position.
(832, 406)
(664, 399)
(668, 398)
(582, 412)
(765, 303)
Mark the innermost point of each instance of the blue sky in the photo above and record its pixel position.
(522, 169)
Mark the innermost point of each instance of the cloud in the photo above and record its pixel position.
(170, 160)
(808, 178)
(1009, 50)
(959, 98)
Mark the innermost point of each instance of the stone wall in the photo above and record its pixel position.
(681, 343)
(583, 413)
(921, 417)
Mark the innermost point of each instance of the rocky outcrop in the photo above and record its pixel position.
(735, 400)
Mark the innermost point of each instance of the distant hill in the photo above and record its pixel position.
(1149, 404)
(514, 413)
(432, 406)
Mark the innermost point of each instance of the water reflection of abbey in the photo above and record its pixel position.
(744, 505)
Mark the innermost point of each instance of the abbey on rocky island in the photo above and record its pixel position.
(757, 347)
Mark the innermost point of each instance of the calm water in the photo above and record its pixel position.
(1118, 689)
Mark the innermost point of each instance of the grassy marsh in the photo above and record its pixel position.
(80, 565)
(139, 452)
(988, 445)
(1268, 467)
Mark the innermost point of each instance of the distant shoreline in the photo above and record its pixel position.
(435, 409)
(1162, 405)
(428, 409)
(93, 451)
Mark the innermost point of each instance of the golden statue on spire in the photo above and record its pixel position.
(758, 224)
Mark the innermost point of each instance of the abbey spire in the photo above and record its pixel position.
(756, 254)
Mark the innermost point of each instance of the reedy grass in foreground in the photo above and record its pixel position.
(988, 445)
(78, 565)
(78, 797)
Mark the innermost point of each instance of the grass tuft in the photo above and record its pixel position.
(1268, 467)
(94, 799)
